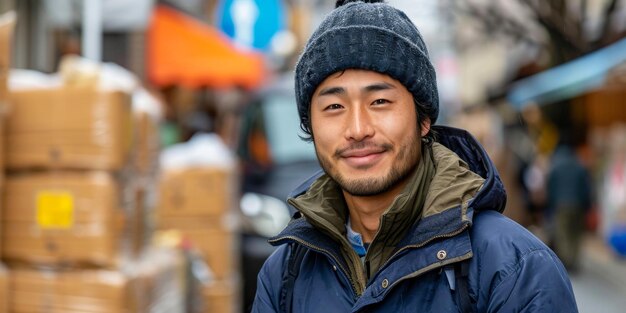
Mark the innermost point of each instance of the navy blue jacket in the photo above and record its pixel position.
(510, 270)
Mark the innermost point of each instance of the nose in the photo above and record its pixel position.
(359, 124)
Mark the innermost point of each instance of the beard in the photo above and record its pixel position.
(402, 166)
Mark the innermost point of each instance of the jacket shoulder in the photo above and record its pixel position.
(516, 271)
(491, 229)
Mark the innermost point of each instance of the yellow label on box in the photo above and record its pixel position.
(55, 209)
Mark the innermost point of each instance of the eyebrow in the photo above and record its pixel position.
(367, 89)
(378, 87)
(332, 91)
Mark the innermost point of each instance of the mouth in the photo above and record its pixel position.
(363, 158)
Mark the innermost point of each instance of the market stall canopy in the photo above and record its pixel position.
(570, 79)
(184, 51)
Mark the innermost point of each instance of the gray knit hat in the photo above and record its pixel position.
(372, 36)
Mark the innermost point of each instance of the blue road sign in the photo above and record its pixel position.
(251, 23)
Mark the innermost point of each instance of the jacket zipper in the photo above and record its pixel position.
(423, 243)
(325, 252)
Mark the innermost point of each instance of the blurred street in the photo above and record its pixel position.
(601, 282)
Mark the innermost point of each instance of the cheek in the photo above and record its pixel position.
(399, 124)
(323, 134)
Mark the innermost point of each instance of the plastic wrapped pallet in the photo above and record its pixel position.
(69, 128)
(197, 192)
(59, 218)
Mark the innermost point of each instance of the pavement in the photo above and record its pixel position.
(599, 260)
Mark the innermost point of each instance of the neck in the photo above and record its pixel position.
(365, 211)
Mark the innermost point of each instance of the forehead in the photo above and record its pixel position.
(358, 79)
(358, 75)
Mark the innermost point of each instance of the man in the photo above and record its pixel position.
(569, 199)
(406, 216)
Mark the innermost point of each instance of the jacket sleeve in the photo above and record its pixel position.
(269, 283)
(539, 283)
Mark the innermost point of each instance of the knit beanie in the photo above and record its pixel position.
(367, 35)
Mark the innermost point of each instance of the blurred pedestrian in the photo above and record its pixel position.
(406, 216)
(569, 199)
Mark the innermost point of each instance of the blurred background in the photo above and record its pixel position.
(148, 146)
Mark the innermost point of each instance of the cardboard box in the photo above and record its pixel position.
(7, 23)
(74, 291)
(4, 290)
(56, 218)
(194, 192)
(154, 283)
(69, 128)
(217, 245)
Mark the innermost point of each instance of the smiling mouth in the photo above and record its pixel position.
(362, 157)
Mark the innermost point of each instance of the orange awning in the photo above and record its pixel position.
(183, 51)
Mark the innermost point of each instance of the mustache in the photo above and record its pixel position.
(361, 145)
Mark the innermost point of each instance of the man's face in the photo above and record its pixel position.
(364, 126)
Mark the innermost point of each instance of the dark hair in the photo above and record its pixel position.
(423, 112)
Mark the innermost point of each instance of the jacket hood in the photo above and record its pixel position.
(492, 195)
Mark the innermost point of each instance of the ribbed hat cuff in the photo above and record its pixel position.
(365, 47)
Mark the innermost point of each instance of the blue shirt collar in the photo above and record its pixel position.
(356, 240)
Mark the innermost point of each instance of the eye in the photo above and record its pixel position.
(333, 106)
(380, 101)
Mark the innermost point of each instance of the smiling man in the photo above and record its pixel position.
(406, 216)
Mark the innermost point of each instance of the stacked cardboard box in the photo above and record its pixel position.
(73, 219)
(197, 201)
(69, 155)
(69, 128)
(64, 218)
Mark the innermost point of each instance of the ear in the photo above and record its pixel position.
(425, 127)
